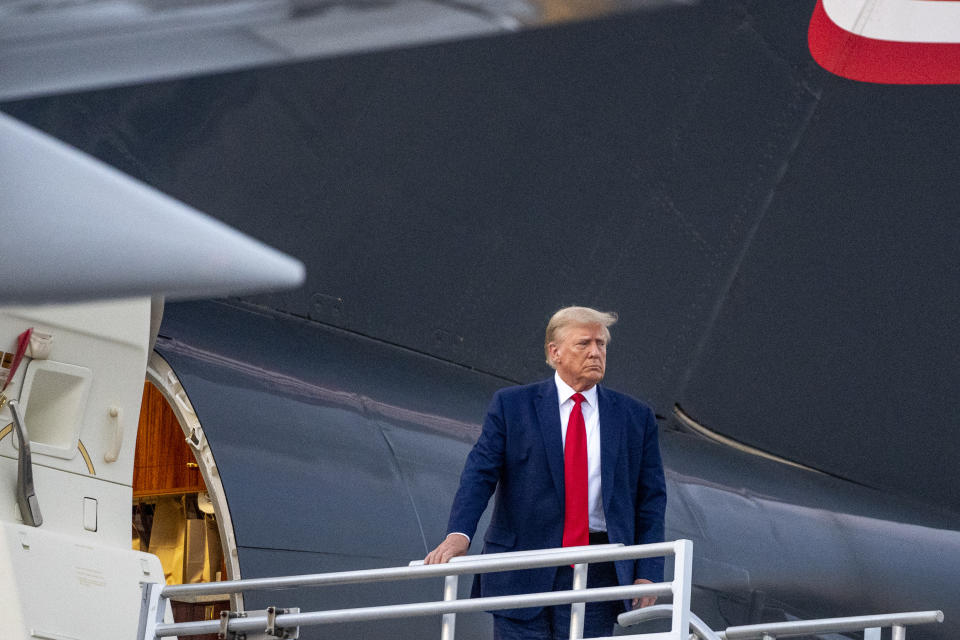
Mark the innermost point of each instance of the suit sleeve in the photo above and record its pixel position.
(481, 472)
(651, 500)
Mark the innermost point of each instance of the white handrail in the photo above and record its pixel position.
(152, 626)
(449, 620)
(469, 564)
(657, 611)
(897, 621)
(360, 614)
(829, 625)
(683, 621)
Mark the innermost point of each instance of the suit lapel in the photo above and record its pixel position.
(611, 430)
(548, 413)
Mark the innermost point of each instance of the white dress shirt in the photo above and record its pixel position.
(591, 419)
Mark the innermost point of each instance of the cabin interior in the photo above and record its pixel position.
(173, 517)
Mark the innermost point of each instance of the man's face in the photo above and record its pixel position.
(580, 355)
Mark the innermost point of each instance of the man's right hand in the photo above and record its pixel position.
(454, 545)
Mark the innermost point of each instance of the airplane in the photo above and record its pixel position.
(92, 240)
(779, 239)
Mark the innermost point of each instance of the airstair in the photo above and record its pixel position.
(684, 625)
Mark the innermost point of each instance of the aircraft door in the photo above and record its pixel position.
(180, 512)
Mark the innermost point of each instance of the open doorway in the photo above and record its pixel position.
(180, 512)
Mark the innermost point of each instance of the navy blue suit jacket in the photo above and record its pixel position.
(520, 454)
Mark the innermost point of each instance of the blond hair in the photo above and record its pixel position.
(575, 316)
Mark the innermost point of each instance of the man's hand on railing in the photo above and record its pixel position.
(646, 601)
(455, 544)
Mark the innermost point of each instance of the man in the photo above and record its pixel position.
(573, 463)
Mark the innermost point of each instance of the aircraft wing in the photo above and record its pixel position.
(77, 229)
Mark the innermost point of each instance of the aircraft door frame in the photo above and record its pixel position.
(162, 376)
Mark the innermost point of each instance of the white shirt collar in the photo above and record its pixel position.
(565, 391)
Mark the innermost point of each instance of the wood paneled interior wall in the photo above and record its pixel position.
(190, 612)
(163, 459)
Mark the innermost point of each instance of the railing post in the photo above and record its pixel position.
(899, 632)
(449, 625)
(577, 609)
(151, 611)
(873, 633)
(682, 579)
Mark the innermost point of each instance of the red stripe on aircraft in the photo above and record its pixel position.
(855, 57)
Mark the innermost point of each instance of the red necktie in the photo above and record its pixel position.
(576, 519)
